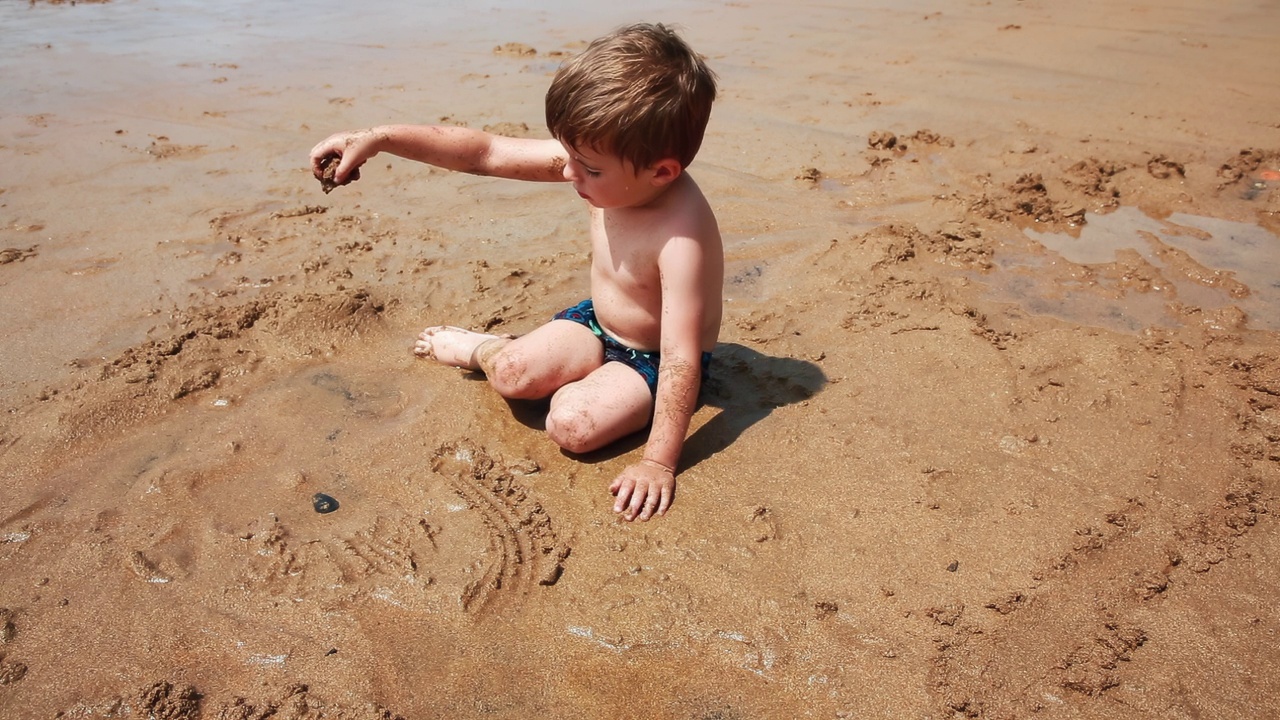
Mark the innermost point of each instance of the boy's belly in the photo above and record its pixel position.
(627, 322)
(640, 328)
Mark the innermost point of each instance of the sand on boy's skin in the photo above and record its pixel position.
(960, 454)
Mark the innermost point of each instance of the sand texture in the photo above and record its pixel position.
(993, 429)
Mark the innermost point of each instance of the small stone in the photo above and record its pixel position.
(324, 504)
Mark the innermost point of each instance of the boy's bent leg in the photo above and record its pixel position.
(610, 403)
(538, 364)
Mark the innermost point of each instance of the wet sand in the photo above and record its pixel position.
(993, 429)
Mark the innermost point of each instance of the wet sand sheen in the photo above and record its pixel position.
(959, 454)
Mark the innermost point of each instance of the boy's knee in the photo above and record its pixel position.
(572, 428)
(508, 373)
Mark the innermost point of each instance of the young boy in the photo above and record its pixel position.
(627, 117)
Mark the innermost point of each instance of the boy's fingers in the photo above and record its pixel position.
(340, 169)
(347, 177)
(657, 502)
(624, 494)
(650, 503)
(322, 150)
(347, 167)
(637, 503)
(665, 502)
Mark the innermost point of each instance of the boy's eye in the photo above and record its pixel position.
(592, 173)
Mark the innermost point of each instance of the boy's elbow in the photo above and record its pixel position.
(477, 162)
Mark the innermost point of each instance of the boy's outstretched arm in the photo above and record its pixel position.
(454, 148)
(647, 488)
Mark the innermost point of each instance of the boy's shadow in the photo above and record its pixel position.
(744, 384)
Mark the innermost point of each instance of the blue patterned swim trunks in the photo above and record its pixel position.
(645, 362)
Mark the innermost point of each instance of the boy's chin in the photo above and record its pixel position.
(595, 203)
(607, 205)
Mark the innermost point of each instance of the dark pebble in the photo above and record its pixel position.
(323, 503)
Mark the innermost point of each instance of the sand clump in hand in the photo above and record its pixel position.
(329, 168)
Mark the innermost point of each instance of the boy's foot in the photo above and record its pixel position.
(451, 345)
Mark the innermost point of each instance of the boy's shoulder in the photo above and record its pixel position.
(685, 202)
(684, 211)
(680, 211)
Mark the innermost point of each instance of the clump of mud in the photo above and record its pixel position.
(515, 49)
(165, 701)
(1162, 168)
(12, 255)
(1027, 199)
(1246, 162)
(329, 169)
(1096, 179)
(886, 140)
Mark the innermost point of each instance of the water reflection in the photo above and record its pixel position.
(1196, 261)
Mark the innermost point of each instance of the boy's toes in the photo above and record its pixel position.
(425, 346)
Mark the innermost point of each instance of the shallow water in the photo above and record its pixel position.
(199, 80)
(1223, 250)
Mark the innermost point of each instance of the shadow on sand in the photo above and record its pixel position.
(746, 386)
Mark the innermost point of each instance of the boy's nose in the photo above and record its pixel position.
(568, 171)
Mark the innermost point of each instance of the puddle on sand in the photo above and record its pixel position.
(1198, 262)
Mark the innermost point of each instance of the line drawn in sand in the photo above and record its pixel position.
(363, 563)
(525, 547)
(394, 557)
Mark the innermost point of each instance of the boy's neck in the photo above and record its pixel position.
(659, 194)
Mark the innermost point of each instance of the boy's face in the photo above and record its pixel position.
(607, 181)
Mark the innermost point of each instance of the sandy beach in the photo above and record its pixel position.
(992, 430)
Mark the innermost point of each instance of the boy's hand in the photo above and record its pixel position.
(643, 490)
(351, 149)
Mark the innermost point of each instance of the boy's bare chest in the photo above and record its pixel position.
(625, 251)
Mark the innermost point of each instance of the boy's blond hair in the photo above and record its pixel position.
(639, 93)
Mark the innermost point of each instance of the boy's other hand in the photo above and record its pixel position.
(643, 491)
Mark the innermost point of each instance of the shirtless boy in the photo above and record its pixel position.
(627, 117)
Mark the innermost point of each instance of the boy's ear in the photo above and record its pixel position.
(664, 171)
